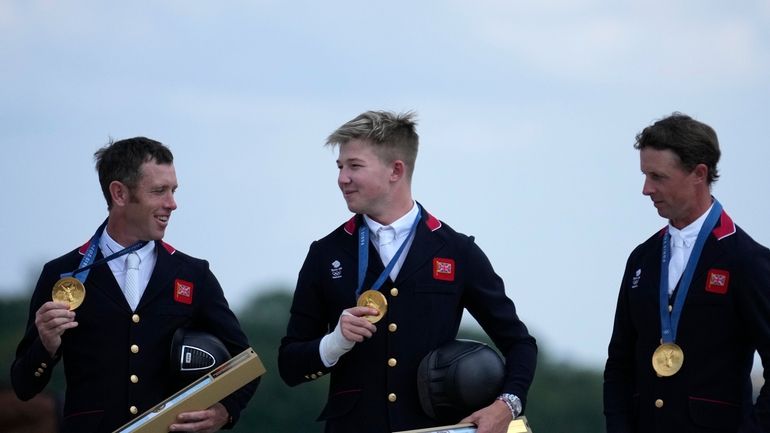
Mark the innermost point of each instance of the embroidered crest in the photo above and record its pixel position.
(717, 281)
(443, 269)
(336, 270)
(183, 291)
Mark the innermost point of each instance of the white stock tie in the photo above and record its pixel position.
(386, 239)
(676, 268)
(131, 285)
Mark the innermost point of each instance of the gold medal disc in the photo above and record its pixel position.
(667, 359)
(373, 299)
(69, 290)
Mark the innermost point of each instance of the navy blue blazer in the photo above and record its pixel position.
(111, 343)
(725, 318)
(373, 387)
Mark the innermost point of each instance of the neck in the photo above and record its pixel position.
(393, 211)
(700, 207)
(118, 234)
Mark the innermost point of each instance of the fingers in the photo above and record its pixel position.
(51, 320)
(204, 421)
(354, 326)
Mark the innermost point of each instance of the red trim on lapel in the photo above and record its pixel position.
(350, 226)
(432, 222)
(663, 231)
(726, 227)
(83, 248)
(169, 248)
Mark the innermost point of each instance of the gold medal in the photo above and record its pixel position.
(69, 290)
(373, 299)
(667, 359)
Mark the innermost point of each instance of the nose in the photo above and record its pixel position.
(170, 202)
(343, 178)
(647, 188)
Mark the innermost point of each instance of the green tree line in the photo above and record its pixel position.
(563, 397)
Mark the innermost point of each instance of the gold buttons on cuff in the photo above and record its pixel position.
(133, 410)
(392, 327)
(134, 348)
(134, 378)
(135, 318)
(37, 374)
(392, 397)
(659, 403)
(394, 292)
(392, 362)
(44, 365)
(314, 376)
(40, 370)
(320, 373)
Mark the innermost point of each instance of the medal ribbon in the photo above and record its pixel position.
(363, 255)
(88, 258)
(670, 322)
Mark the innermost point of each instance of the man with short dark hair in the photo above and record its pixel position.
(117, 302)
(694, 303)
(389, 286)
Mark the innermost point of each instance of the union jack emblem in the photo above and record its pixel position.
(717, 281)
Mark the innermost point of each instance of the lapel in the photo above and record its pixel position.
(101, 280)
(424, 246)
(166, 268)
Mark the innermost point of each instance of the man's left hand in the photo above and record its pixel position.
(494, 418)
(202, 421)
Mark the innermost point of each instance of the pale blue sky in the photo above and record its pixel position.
(527, 110)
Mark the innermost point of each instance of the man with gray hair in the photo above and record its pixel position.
(387, 287)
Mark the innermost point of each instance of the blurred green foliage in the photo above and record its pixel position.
(563, 398)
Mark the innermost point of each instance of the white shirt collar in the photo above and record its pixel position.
(110, 246)
(689, 234)
(402, 226)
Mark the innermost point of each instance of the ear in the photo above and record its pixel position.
(701, 172)
(398, 170)
(119, 193)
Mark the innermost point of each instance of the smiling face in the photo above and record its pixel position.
(679, 195)
(365, 180)
(142, 213)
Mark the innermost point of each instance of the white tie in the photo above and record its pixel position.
(676, 267)
(386, 237)
(131, 285)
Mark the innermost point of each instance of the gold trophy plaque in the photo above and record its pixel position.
(201, 394)
(519, 425)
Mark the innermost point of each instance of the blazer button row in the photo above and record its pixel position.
(135, 318)
(133, 410)
(41, 369)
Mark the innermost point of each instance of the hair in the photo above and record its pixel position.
(392, 135)
(122, 161)
(692, 141)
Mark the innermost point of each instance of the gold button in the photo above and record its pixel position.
(392, 327)
(392, 362)
(134, 378)
(391, 397)
(134, 348)
(135, 319)
(40, 370)
(394, 292)
(320, 373)
(133, 410)
(44, 365)
(659, 403)
(37, 374)
(314, 376)
(670, 308)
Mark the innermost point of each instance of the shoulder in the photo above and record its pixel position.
(163, 247)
